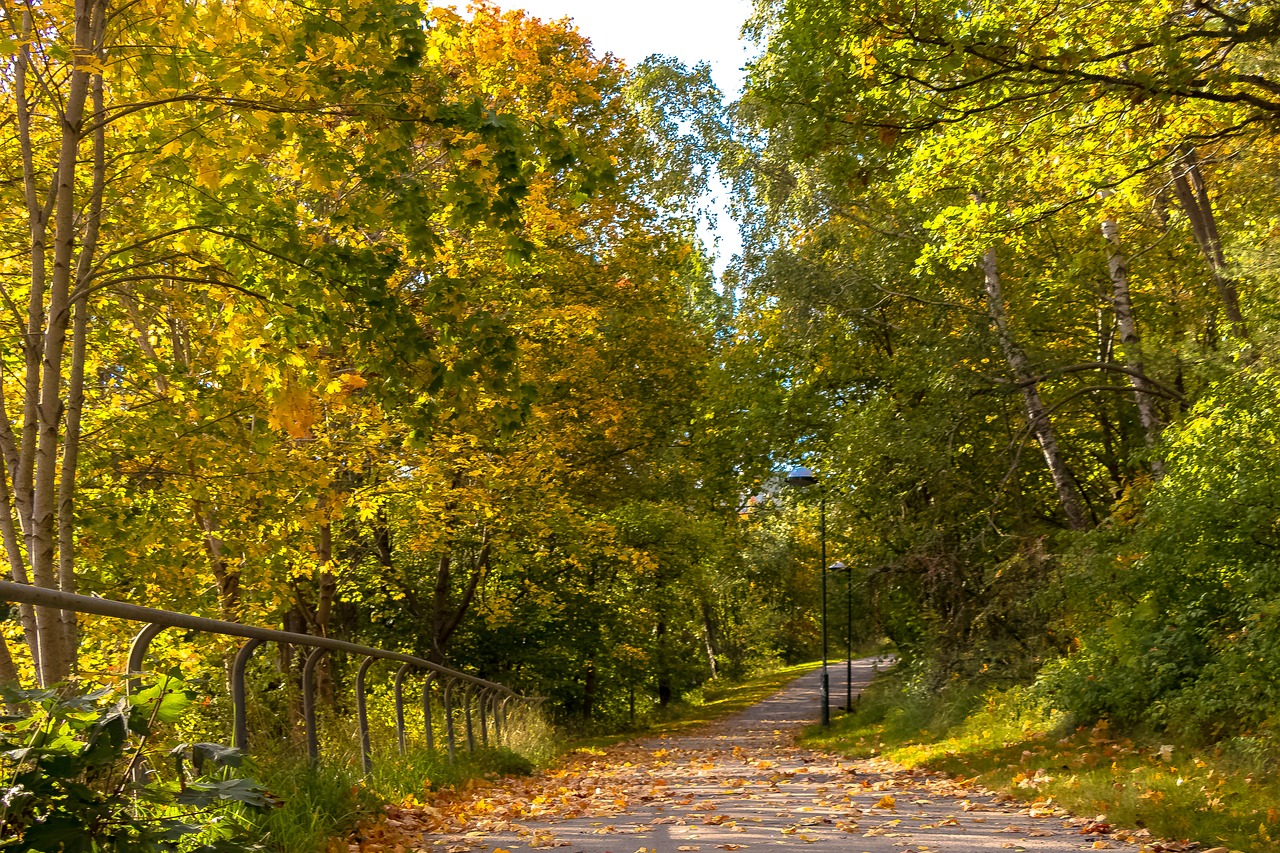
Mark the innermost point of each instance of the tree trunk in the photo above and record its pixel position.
(18, 569)
(447, 617)
(8, 674)
(79, 343)
(226, 575)
(664, 674)
(1131, 342)
(1189, 187)
(56, 657)
(40, 463)
(326, 593)
(589, 691)
(1037, 413)
(709, 637)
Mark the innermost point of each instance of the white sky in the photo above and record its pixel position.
(693, 31)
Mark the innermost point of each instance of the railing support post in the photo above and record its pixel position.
(138, 651)
(500, 713)
(399, 689)
(427, 722)
(239, 701)
(362, 716)
(448, 718)
(309, 702)
(466, 704)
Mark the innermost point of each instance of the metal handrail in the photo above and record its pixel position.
(157, 620)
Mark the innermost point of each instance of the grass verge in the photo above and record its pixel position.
(1227, 796)
(719, 700)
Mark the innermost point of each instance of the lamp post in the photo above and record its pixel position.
(839, 566)
(801, 476)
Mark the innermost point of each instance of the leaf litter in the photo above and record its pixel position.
(721, 779)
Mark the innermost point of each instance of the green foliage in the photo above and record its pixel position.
(76, 778)
(1190, 589)
(1001, 291)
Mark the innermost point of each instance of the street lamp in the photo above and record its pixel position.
(839, 566)
(801, 476)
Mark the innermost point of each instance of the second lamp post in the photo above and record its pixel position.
(839, 566)
(801, 476)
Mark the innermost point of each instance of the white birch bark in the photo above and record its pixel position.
(1130, 340)
(40, 462)
(1037, 413)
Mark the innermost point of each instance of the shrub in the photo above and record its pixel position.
(75, 778)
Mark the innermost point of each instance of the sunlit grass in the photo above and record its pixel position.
(718, 700)
(1221, 797)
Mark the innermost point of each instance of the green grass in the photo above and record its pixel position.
(718, 700)
(317, 803)
(1228, 796)
(322, 805)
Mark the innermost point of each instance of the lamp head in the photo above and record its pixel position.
(801, 476)
(837, 566)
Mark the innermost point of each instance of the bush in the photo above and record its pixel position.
(1177, 607)
(76, 779)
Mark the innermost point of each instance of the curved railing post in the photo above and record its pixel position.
(138, 651)
(448, 718)
(239, 701)
(399, 690)
(466, 704)
(138, 654)
(362, 716)
(427, 722)
(482, 697)
(309, 702)
(500, 714)
(497, 724)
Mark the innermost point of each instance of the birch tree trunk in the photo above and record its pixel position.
(1037, 413)
(1193, 195)
(40, 462)
(1130, 340)
(8, 671)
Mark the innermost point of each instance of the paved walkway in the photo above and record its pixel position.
(742, 784)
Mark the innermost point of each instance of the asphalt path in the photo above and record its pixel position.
(742, 784)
